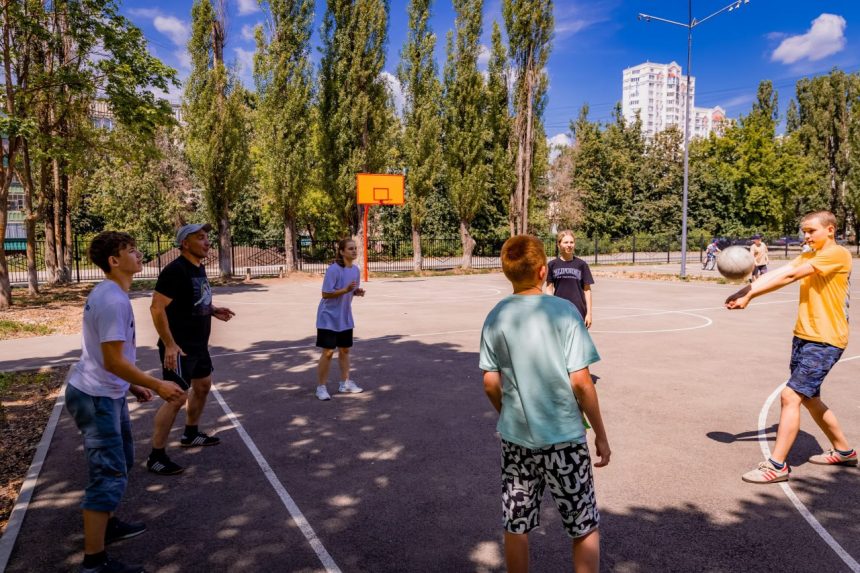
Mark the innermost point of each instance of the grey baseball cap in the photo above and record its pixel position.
(186, 230)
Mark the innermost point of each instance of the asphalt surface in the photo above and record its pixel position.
(404, 477)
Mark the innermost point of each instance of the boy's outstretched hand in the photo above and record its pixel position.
(601, 448)
(739, 300)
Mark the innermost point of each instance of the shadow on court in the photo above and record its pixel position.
(403, 477)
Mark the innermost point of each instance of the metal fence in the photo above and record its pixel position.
(389, 255)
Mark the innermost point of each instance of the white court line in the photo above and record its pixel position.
(297, 515)
(853, 565)
(16, 518)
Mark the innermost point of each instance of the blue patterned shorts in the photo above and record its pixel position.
(566, 469)
(810, 363)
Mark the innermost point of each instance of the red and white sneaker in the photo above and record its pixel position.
(834, 458)
(766, 472)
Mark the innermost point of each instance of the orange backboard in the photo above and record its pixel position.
(379, 189)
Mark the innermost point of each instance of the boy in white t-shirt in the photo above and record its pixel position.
(95, 398)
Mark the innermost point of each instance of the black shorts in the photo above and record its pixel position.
(195, 364)
(330, 339)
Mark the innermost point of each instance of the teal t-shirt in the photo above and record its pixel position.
(535, 342)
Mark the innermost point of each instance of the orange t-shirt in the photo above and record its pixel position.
(822, 315)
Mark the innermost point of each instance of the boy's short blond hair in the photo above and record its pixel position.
(522, 257)
(825, 217)
(562, 234)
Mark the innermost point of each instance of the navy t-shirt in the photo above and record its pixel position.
(568, 279)
(190, 312)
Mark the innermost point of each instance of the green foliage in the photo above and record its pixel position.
(354, 107)
(529, 24)
(217, 134)
(422, 120)
(464, 108)
(283, 130)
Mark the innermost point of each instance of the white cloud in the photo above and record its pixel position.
(570, 18)
(396, 91)
(559, 140)
(245, 61)
(184, 58)
(248, 31)
(174, 28)
(147, 13)
(248, 7)
(825, 37)
(483, 56)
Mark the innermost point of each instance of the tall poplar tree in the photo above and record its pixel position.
(421, 117)
(282, 150)
(500, 124)
(529, 25)
(216, 137)
(353, 101)
(465, 130)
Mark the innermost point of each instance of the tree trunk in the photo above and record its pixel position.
(58, 222)
(5, 285)
(290, 254)
(225, 248)
(68, 252)
(417, 255)
(527, 159)
(30, 217)
(517, 201)
(468, 244)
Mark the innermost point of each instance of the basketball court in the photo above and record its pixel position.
(405, 476)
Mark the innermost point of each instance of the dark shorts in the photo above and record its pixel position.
(810, 363)
(195, 364)
(566, 468)
(759, 270)
(108, 444)
(330, 339)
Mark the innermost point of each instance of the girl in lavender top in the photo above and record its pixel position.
(334, 317)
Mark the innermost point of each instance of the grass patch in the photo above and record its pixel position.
(15, 329)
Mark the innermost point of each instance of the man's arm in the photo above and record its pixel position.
(117, 364)
(222, 313)
(768, 282)
(158, 310)
(586, 291)
(586, 395)
(493, 389)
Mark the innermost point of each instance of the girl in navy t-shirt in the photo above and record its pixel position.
(569, 276)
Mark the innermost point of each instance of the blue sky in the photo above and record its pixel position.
(779, 40)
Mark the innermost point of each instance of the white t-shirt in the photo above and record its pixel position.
(108, 317)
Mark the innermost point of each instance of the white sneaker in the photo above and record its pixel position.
(349, 387)
(322, 393)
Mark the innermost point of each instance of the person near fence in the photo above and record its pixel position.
(820, 337)
(334, 317)
(569, 277)
(535, 353)
(96, 397)
(759, 253)
(182, 312)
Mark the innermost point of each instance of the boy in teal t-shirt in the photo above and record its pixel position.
(535, 353)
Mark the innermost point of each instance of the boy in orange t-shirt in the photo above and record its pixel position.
(817, 346)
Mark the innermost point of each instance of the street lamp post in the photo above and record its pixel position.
(691, 23)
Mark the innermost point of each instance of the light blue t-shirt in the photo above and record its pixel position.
(336, 313)
(108, 317)
(535, 342)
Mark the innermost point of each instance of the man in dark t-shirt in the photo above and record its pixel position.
(570, 277)
(182, 311)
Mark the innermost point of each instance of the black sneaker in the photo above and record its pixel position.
(163, 466)
(117, 530)
(112, 566)
(200, 439)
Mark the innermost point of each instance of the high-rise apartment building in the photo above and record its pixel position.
(658, 93)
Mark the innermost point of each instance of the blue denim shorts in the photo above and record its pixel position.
(106, 427)
(810, 363)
